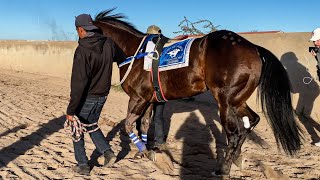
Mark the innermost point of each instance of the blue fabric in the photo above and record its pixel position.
(144, 138)
(140, 54)
(171, 55)
(174, 54)
(90, 113)
(148, 38)
(140, 145)
(129, 59)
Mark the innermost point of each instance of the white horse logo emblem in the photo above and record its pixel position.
(173, 53)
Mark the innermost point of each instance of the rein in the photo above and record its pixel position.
(76, 129)
(130, 66)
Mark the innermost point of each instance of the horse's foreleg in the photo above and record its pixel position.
(237, 127)
(160, 159)
(145, 123)
(135, 109)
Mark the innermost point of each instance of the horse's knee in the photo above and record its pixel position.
(128, 127)
(145, 124)
(129, 123)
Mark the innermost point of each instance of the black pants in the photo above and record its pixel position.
(159, 135)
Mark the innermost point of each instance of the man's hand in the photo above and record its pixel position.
(318, 72)
(69, 117)
(313, 53)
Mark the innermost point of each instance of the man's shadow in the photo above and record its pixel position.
(307, 89)
(20, 147)
(197, 157)
(208, 108)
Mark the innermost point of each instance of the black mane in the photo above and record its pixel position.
(115, 19)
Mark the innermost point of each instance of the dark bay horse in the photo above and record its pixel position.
(222, 62)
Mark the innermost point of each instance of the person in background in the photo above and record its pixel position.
(315, 38)
(157, 119)
(90, 85)
(158, 107)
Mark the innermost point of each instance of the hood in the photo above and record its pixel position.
(94, 43)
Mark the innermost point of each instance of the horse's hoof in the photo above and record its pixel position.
(161, 147)
(152, 156)
(138, 155)
(239, 162)
(162, 161)
(217, 174)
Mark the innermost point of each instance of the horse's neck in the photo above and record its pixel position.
(127, 41)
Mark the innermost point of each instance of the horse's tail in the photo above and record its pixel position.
(275, 95)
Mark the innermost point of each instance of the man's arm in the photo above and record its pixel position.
(79, 79)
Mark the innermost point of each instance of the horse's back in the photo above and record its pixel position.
(215, 60)
(232, 63)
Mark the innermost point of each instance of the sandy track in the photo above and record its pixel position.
(33, 144)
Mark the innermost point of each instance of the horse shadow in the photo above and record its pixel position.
(308, 92)
(28, 142)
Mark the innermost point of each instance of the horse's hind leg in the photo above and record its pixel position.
(246, 113)
(232, 119)
(248, 120)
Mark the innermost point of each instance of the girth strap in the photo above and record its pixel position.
(155, 68)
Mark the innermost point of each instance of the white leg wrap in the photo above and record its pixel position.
(246, 122)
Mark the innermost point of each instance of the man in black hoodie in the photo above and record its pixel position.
(90, 85)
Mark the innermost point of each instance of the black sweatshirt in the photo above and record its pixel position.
(92, 69)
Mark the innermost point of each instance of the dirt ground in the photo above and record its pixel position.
(33, 144)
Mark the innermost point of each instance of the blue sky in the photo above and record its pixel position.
(54, 19)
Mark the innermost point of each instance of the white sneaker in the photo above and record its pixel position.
(317, 144)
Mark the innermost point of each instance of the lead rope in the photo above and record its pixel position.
(76, 129)
(130, 66)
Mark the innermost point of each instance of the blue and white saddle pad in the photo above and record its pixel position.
(172, 57)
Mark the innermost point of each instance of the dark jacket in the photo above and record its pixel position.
(92, 69)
